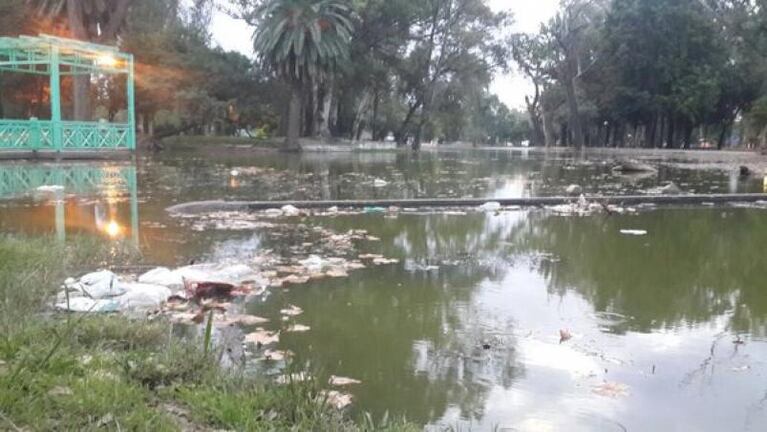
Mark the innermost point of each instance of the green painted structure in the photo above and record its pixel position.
(56, 57)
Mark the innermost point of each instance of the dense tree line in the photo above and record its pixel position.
(650, 73)
(417, 71)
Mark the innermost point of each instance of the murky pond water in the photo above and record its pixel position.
(667, 330)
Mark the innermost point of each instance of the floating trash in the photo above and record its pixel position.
(298, 328)
(342, 381)
(292, 310)
(611, 389)
(262, 337)
(634, 232)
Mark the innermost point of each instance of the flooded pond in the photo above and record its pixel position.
(517, 320)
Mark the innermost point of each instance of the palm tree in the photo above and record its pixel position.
(303, 41)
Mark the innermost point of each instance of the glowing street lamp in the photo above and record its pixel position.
(106, 60)
(113, 229)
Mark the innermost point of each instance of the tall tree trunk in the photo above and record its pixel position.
(374, 120)
(294, 119)
(533, 111)
(548, 127)
(323, 126)
(359, 114)
(574, 117)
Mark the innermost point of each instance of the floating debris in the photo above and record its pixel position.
(298, 328)
(262, 337)
(292, 310)
(342, 381)
(337, 399)
(292, 378)
(634, 232)
(276, 355)
(241, 319)
(611, 389)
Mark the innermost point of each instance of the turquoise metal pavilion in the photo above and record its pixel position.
(57, 57)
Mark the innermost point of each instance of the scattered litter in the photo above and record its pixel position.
(342, 381)
(100, 285)
(633, 232)
(564, 335)
(247, 320)
(741, 368)
(380, 183)
(298, 328)
(143, 297)
(262, 337)
(292, 310)
(337, 399)
(294, 377)
(50, 188)
(163, 276)
(611, 389)
(276, 355)
(203, 290)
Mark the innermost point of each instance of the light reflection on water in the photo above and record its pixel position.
(657, 314)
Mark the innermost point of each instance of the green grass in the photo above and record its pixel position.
(88, 372)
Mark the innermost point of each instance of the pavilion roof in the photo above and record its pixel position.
(33, 54)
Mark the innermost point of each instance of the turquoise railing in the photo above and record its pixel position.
(26, 135)
(40, 135)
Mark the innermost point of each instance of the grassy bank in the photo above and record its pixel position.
(87, 372)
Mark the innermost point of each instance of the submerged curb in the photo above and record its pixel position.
(212, 206)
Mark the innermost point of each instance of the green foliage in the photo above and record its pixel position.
(303, 40)
(644, 72)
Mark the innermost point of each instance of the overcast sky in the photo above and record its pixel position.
(235, 35)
